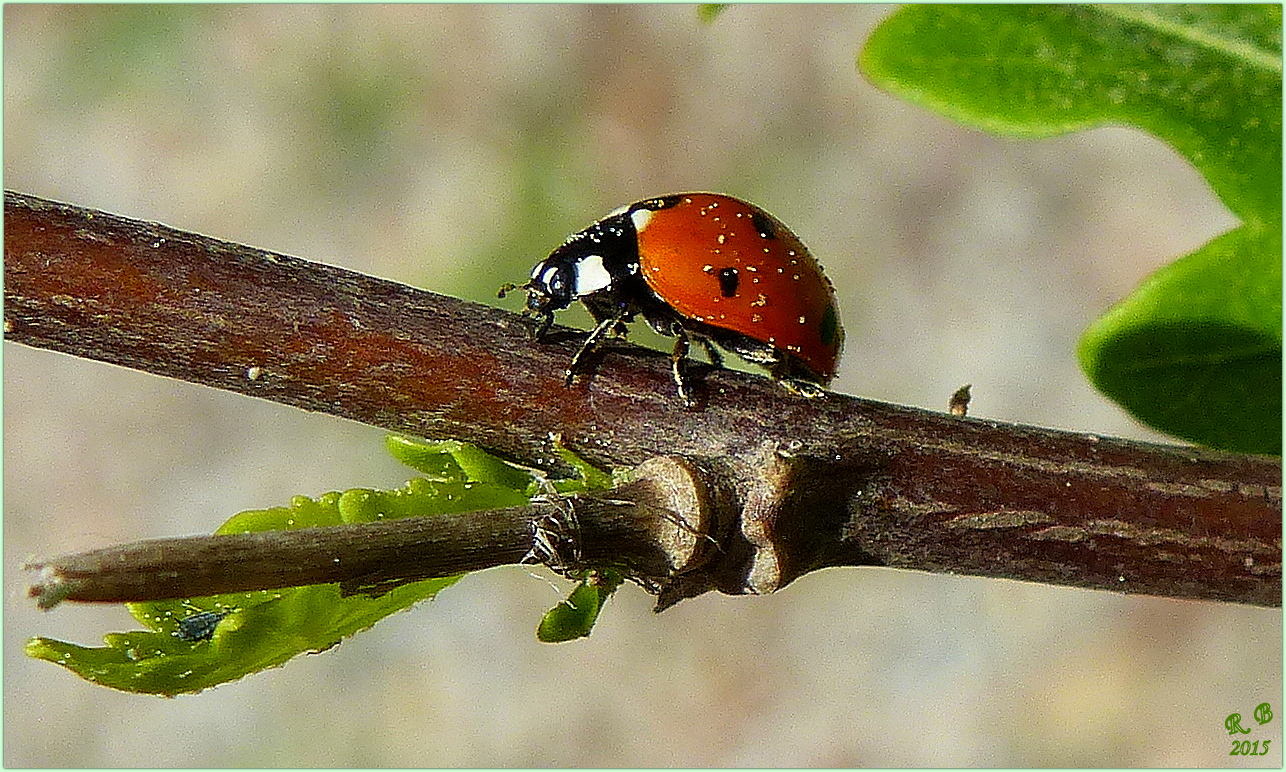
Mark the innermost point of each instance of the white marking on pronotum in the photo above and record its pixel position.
(640, 218)
(591, 275)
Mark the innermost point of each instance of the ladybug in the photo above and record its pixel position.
(699, 267)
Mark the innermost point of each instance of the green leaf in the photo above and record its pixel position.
(708, 12)
(451, 458)
(259, 630)
(1196, 351)
(591, 477)
(268, 629)
(574, 618)
(1206, 79)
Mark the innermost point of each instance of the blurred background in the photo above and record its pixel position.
(452, 146)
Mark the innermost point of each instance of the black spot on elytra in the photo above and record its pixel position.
(729, 278)
(766, 228)
(830, 325)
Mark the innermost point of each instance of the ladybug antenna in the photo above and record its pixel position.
(541, 310)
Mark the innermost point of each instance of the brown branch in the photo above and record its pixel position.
(810, 483)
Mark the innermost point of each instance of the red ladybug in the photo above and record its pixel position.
(703, 267)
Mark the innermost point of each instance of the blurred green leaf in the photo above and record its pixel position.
(259, 630)
(1206, 79)
(1196, 351)
(708, 12)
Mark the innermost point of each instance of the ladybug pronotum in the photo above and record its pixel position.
(703, 267)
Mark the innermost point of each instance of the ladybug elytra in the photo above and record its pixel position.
(699, 267)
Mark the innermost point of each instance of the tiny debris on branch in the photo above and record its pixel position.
(958, 405)
(792, 484)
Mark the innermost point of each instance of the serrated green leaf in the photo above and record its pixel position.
(266, 630)
(1197, 350)
(259, 630)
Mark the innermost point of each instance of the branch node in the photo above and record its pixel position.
(684, 530)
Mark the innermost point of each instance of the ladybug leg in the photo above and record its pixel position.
(781, 366)
(781, 373)
(592, 342)
(542, 325)
(802, 388)
(716, 357)
(682, 344)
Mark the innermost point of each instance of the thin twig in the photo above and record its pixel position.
(648, 529)
(357, 555)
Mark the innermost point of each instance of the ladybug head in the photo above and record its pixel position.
(598, 260)
(552, 287)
